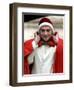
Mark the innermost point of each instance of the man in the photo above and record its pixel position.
(44, 53)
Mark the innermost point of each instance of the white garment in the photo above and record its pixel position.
(43, 58)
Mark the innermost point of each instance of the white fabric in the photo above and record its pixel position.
(46, 23)
(43, 58)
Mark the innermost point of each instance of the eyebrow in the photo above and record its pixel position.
(45, 30)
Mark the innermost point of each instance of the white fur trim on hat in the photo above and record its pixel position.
(46, 23)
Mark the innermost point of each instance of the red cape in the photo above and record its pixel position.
(58, 64)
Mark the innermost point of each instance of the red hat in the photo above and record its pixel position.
(46, 21)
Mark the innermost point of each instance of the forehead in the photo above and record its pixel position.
(46, 27)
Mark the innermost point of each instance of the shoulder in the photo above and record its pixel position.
(28, 41)
(60, 41)
(60, 44)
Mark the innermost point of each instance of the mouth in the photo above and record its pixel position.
(46, 38)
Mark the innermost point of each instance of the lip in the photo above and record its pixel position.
(45, 38)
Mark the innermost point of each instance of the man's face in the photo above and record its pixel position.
(45, 32)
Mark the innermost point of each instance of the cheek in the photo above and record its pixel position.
(41, 34)
(49, 33)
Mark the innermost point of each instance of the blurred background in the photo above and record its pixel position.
(31, 24)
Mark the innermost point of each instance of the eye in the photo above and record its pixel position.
(48, 30)
(42, 30)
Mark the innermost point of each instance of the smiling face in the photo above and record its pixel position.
(45, 32)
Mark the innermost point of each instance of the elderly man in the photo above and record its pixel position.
(44, 53)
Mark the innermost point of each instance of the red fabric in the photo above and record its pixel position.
(58, 64)
(27, 51)
(45, 20)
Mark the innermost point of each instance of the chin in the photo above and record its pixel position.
(46, 40)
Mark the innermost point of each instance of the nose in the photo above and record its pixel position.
(45, 32)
